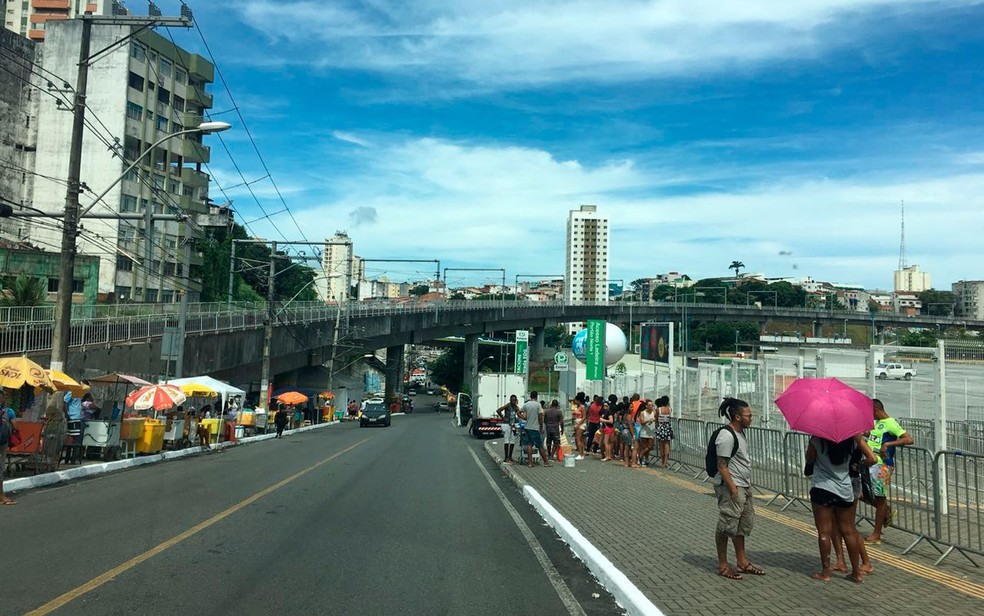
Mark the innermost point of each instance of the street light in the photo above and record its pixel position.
(66, 278)
(478, 368)
(775, 297)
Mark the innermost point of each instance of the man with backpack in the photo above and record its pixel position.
(7, 417)
(728, 464)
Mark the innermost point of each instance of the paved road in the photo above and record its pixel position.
(343, 520)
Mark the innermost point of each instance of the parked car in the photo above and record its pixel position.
(375, 413)
(894, 371)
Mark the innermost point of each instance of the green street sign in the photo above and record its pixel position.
(594, 357)
(522, 351)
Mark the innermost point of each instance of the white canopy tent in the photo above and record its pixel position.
(224, 389)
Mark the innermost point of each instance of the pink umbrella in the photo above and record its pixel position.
(157, 397)
(827, 408)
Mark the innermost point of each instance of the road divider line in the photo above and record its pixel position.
(927, 573)
(566, 596)
(99, 580)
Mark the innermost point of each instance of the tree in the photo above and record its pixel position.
(919, 338)
(420, 289)
(553, 336)
(736, 265)
(663, 292)
(448, 368)
(937, 303)
(23, 290)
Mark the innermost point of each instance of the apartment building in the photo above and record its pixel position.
(142, 91)
(587, 255)
(910, 279)
(31, 18)
(337, 261)
(19, 95)
(969, 298)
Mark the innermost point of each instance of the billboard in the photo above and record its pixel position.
(656, 342)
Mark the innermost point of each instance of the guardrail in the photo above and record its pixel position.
(937, 497)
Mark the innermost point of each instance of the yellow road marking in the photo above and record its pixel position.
(98, 581)
(950, 581)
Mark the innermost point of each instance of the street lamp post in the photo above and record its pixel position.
(775, 297)
(736, 342)
(66, 277)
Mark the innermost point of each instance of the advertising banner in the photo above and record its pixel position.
(657, 341)
(594, 359)
(522, 351)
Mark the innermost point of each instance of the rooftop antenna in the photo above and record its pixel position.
(903, 262)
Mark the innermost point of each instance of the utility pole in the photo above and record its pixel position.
(268, 333)
(70, 223)
(183, 309)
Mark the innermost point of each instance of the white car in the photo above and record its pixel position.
(894, 371)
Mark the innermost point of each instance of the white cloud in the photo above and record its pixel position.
(350, 138)
(504, 206)
(516, 42)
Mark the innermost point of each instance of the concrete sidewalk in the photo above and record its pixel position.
(657, 527)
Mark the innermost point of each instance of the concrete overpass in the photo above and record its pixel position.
(227, 341)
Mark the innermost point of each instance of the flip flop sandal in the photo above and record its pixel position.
(751, 569)
(731, 574)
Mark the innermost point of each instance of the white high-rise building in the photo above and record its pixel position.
(587, 256)
(337, 263)
(30, 18)
(969, 298)
(911, 279)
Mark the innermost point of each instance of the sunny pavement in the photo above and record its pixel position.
(656, 526)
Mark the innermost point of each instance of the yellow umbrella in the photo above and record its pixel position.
(197, 389)
(63, 382)
(15, 372)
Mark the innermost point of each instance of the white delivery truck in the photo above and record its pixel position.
(492, 392)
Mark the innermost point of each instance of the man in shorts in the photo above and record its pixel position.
(553, 423)
(733, 488)
(532, 414)
(883, 439)
(509, 413)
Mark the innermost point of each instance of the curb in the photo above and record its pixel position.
(91, 470)
(628, 596)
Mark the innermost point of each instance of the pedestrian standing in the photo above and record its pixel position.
(7, 426)
(832, 498)
(607, 420)
(664, 429)
(883, 439)
(579, 421)
(646, 419)
(733, 488)
(553, 425)
(594, 423)
(532, 414)
(508, 413)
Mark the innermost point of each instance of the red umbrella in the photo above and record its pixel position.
(827, 408)
(157, 397)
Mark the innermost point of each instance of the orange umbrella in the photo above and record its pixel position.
(156, 397)
(292, 397)
(326, 394)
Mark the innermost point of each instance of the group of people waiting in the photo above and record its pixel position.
(626, 429)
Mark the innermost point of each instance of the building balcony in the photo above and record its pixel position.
(51, 4)
(200, 68)
(200, 97)
(193, 178)
(195, 152)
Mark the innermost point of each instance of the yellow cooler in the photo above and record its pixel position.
(212, 424)
(133, 428)
(152, 440)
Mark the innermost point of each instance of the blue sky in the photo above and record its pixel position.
(781, 134)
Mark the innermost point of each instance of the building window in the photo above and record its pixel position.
(151, 86)
(180, 76)
(162, 123)
(171, 241)
(78, 286)
(52, 285)
(138, 52)
(173, 187)
(169, 268)
(165, 67)
(163, 96)
(136, 82)
(167, 297)
(133, 175)
(143, 205)
(128, 203)
(179, 103)
(187, 191)
(128, 235)
(134, 111)
(124, 263)
(158, 182)
(122, 293)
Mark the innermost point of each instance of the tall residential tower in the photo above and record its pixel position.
(587, 256)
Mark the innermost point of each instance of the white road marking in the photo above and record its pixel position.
(566, 596)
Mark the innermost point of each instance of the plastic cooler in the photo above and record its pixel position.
(247, 419)
(133, 428)
(152, 440)
(212, 424)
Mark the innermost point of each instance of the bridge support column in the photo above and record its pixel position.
(817, 329)
(470, 364)
(394, 357)
(538, 343)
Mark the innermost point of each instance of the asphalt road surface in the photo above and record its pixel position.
(410, 519)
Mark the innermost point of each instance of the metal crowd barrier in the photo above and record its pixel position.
(938, 498)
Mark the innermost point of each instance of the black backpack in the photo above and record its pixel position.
(710, 460)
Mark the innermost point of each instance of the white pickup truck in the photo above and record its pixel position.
(894, 371)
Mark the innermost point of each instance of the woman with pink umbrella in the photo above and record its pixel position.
(835, 415)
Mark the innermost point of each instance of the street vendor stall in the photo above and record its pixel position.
(109, 436)
(154, 398)
(224, 392)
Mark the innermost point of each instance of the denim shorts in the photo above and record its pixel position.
(531, 438)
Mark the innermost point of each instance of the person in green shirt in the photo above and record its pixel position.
(883, 439)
